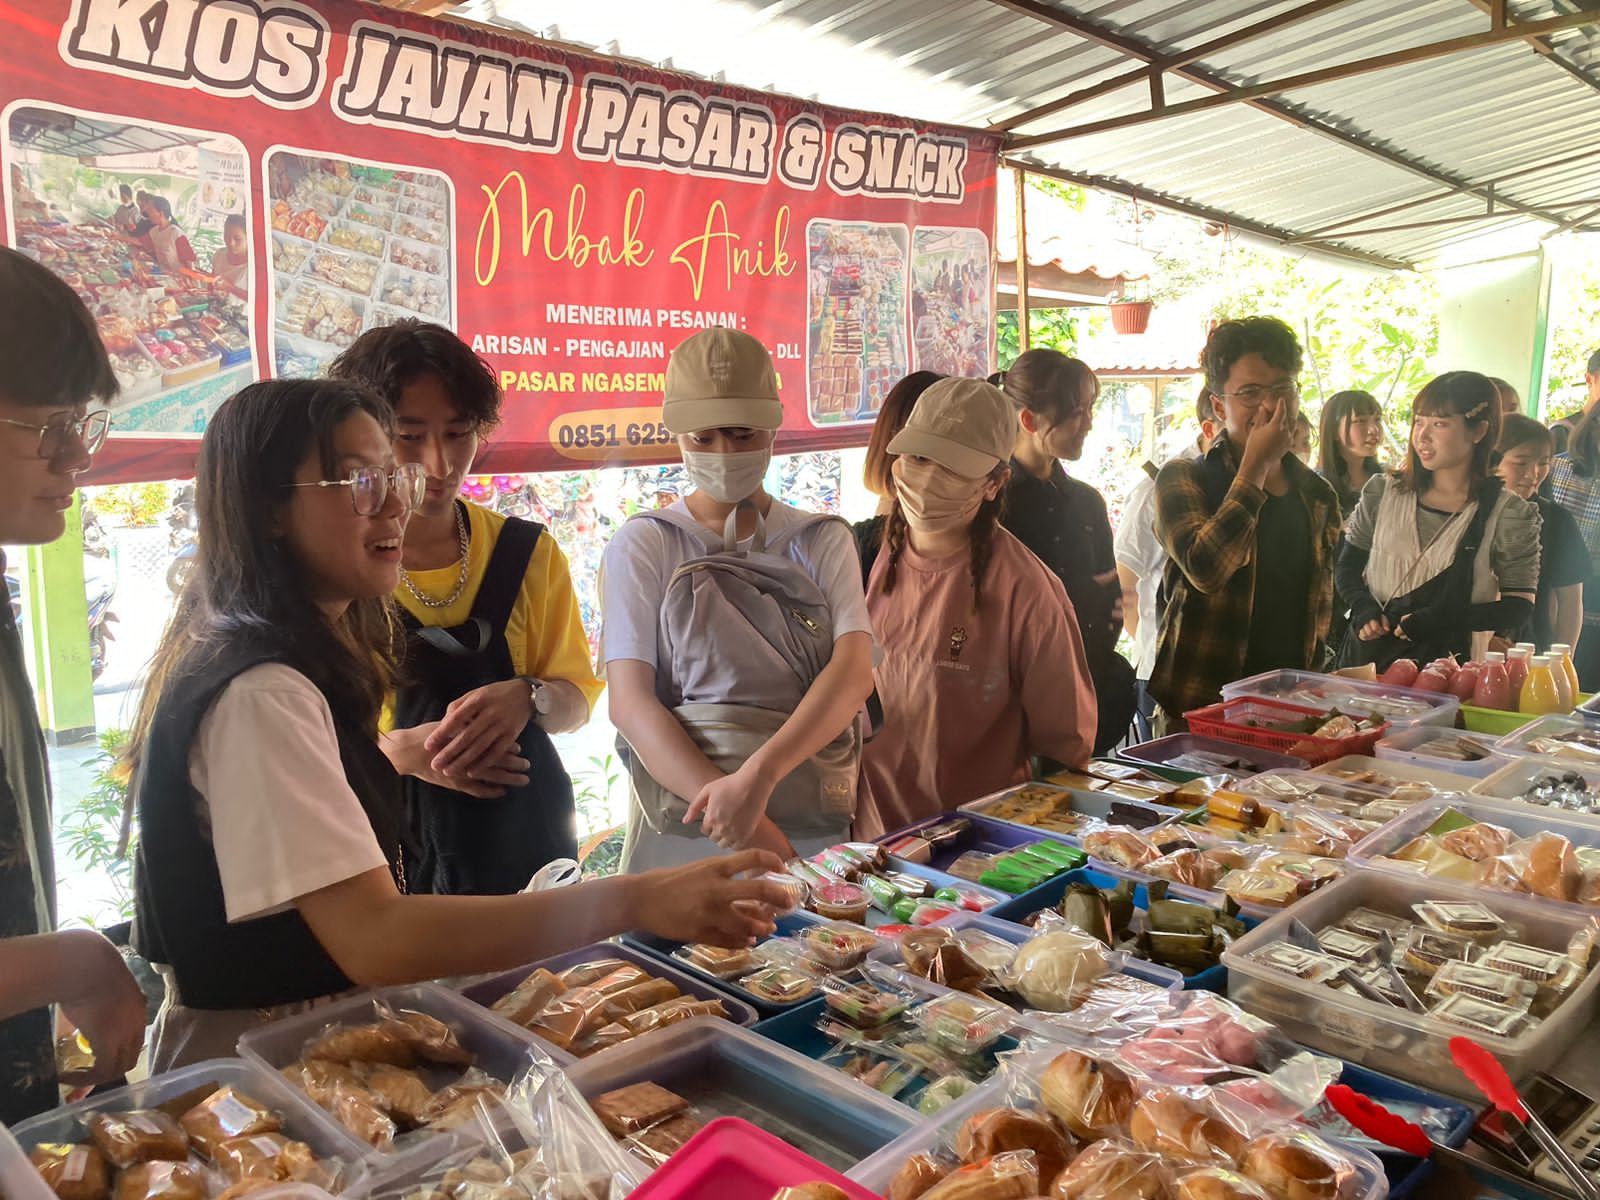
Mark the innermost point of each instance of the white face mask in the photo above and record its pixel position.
(933, 498)
(727, 478)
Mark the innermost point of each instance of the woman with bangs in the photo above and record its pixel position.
(1351, 437)
(1438, 555)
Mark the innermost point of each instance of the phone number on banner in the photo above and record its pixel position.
(610, 434)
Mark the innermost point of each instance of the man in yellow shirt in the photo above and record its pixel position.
(496, 650)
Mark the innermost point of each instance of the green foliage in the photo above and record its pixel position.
(136, 505)
(1574, 329)
(1048, 328)
(92, 832)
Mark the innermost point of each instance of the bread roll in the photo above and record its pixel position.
(999, 1130)
(1479, 842)
(812, 1191)
(1295, 1166)
(1004, 1177)
(1113, 1170)
(1551, 865)
(915, 1176)
(1166, 1122)
(73, 1172)
(1219, 1183)
(161, 1181)
(144, 1135)
(1091, 1098)
(224, 1115)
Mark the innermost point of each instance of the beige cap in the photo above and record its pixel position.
(720, 379)
(966, 425)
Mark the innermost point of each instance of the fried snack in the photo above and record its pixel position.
(664, 1139)
(268, 1156)
(530, 997)
(571, 1016)
(1478, 842)
(1004, 1177)
(245, 1186)
(358, 1111)
(628, 1110)
(321, 1079)
(587, 974)
(1294, 1166)
(646, 994)
(1219, 1183)
(1551, 865)
(224, 1115)
(377, 1042)
(429, 1038)
(143, 1135)
(659, 1017)
(160, 1181)
(1190, 867)
(1000, 1130)
(919, 946)
(73, 1172)
(1166, 1122)
(458, 1103)
(1120, 846)
(915, 1177)
(399, 1092)
(1113, 1170)
(1091, 1098)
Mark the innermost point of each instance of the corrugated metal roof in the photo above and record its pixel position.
(1429, 136)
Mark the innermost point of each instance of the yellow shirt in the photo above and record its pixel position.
(545, 632)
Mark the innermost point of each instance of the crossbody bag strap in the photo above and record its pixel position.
(508, 567)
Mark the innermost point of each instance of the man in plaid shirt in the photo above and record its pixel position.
(1250, 531)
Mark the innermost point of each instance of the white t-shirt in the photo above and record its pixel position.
(1139, 549)
(284, 820)
(642, 555)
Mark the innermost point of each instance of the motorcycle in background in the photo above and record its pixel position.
(183, 521)
(99, 586)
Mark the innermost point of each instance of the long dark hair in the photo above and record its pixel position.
(1584, 448)
(1340, 409)
(980, 537)
(1047, 383)
(1465, 394)
(245, 584)
(892, 417)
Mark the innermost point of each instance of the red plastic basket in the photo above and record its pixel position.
(1239, 721)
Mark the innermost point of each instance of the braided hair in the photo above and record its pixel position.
(980, 535)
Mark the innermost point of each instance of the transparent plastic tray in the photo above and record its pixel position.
(1373, 851)
(1507, 786)
(727, 1071)
(1401, 706)
(1413, 1046)
(499, 1048)
(1412, 746)
(302, 1120)
(1390, 773)
(1519, 742)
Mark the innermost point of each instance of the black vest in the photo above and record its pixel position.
(180, 919)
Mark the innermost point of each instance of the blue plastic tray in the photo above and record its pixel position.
(797, 1029)
(988, 837)
(662, 949)
(1048, 895)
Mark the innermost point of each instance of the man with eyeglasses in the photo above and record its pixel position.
(1250, 531)
(51, 366)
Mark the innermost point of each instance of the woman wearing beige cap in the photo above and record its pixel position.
(983, 666)
(730, 743)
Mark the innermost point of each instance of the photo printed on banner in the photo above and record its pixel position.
(150, 224)
(856, 318)
(354, 245)
(950, 301)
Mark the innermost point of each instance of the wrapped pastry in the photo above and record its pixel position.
(1193, 868)
(628, 1110)
(267, 1156)
(645, 994)
(1479, 841)
(244, 1187)
(1166, 1122)
(358, 1110)
(459, 1103)
(589, 973)
(160, 1181)
(528, 999)
(632, 1025)
(916, 1176)
(1053, 968)
(1219, 1183)
(72, 1172)
(377, 1042)
(1004, 1177)
(399, 1092)
(1296, 1166)
(571, 1016)
(1547, 865)
(1114, 1170)
(811, 1191)
(224, 1115)
(321, 1079)
(1120, 846)
(665, 1138)
(1091, 1098)
(143, 1135)
(1001, 1130)
(429, 1038)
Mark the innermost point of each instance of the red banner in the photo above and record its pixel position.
(238, 188)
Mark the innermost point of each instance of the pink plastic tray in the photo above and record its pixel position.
(733, 1160)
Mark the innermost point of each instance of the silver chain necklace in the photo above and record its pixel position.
(422, 597)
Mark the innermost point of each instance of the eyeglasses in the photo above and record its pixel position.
(1256, 394)
(60, 430)
(370, 487)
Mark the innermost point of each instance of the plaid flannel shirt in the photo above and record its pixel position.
(1580, 496)
(1206, 519)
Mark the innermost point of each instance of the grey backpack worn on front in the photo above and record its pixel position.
(743, 636)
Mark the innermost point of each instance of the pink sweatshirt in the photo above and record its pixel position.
(969, 696)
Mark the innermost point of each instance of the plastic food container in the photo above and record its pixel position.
(879, 1171)
(1390, 1039)
(988, 836)
(1014, 912)
(1411, 746)
(302, 1121)
(1157, 755)
(1084, 802)
(18, 1179)
(1242, 720)
(661, 950)
(1519, 741)
(733, 1160)
(698, 984)
(1369, 771)
(1506, 787)
(500, 1048)
(1374, 850)
(1311, 689)
(723, 1070)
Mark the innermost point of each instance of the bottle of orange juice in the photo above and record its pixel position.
(1564, 652)
(1540, 693)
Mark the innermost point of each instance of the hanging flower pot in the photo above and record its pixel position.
(1131, 316)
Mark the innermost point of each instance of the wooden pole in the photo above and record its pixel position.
(1022, 260)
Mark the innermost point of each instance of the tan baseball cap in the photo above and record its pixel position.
(719, 379)
(966, 425)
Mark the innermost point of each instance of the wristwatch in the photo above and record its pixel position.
(539, 693)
